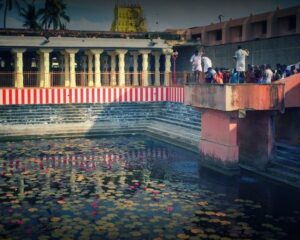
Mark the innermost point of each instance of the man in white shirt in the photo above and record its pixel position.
(240, 57)
(207, 63)
(196, 65)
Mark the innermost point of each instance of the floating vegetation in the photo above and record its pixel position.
(121, 188)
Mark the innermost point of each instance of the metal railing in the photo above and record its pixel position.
(31, 79)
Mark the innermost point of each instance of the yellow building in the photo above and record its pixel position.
(129, 18)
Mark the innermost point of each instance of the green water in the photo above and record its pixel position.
(133, 188)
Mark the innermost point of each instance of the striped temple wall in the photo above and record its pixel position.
(12, 96)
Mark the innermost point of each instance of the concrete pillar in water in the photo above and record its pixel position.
(18, 64)
(135, 68)
(113, 80)
(157, 65)
(45, 68)
(168, 53)
(145, 64)
(121, 53)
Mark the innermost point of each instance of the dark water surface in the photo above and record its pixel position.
(133, 188)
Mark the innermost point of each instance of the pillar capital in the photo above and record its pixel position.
(45, 50)
(121, 51)
(144, 51)
(134, 53)
(112, 53)
(167, 51)
(71, 50)
(95, 51)
(18, 50)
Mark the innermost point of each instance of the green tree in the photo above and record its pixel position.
(54, 14)
(31, 16)
(8, 6)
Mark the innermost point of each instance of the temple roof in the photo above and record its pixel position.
(74, 42)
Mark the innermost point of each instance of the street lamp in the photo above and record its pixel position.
(174, 57)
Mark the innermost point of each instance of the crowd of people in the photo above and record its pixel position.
(203, 71)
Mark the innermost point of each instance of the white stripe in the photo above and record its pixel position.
(139, 95)
(84, 100)
(1, 94)
(160, 95)
(61, 100)
(25, 96)
(37, 96)
(90, 94)
(32, 96)
(164, 94)
(55, 95)
(79, 100)
(19, 96)
(106, 95)
(13, 94)
(95, 95)
(50, 95)
(44, 96)
(154, 94)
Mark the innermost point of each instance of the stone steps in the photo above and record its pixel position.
(186, 124)
(284, 175)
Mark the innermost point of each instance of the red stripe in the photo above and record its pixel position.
(98, 95)
(81, 94)
(167, 94)
(17, 96)
(142, 94)
(120, 95)
(10, 96)
(93, 94)
(4, 96)
(41, 95)
(136, 95)
(152, 94)
(23, 96)
(130, 94)
(109, 94)
(147, 94)
(35, 96)
(58, 96)
(125, 95)
(115, 94)
(47, 96)
(76, 94)
(64, 95)
(87, 95)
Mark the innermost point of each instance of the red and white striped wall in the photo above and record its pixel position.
(12, 96)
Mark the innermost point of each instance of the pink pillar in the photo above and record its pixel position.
(218, 143)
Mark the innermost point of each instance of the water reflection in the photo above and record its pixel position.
(133, 188)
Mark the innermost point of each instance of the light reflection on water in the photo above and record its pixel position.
(133, 188)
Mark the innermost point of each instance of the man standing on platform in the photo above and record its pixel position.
(196, 66)
(240, 57)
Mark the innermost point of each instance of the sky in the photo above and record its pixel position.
(160, 14)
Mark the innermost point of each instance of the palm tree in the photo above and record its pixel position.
(31, 15)
(54, 14)
(8, 6)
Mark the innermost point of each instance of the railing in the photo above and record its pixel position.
(31, 79)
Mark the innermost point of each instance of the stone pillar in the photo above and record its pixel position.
(157, 65)
(113, 80)
(121, 53)
(218, 146)
(135, 68)
(145, 73)
(72, 53)
(97, 53)
(18, 64)
(45, 68)
(168, 53)
(67, 68)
